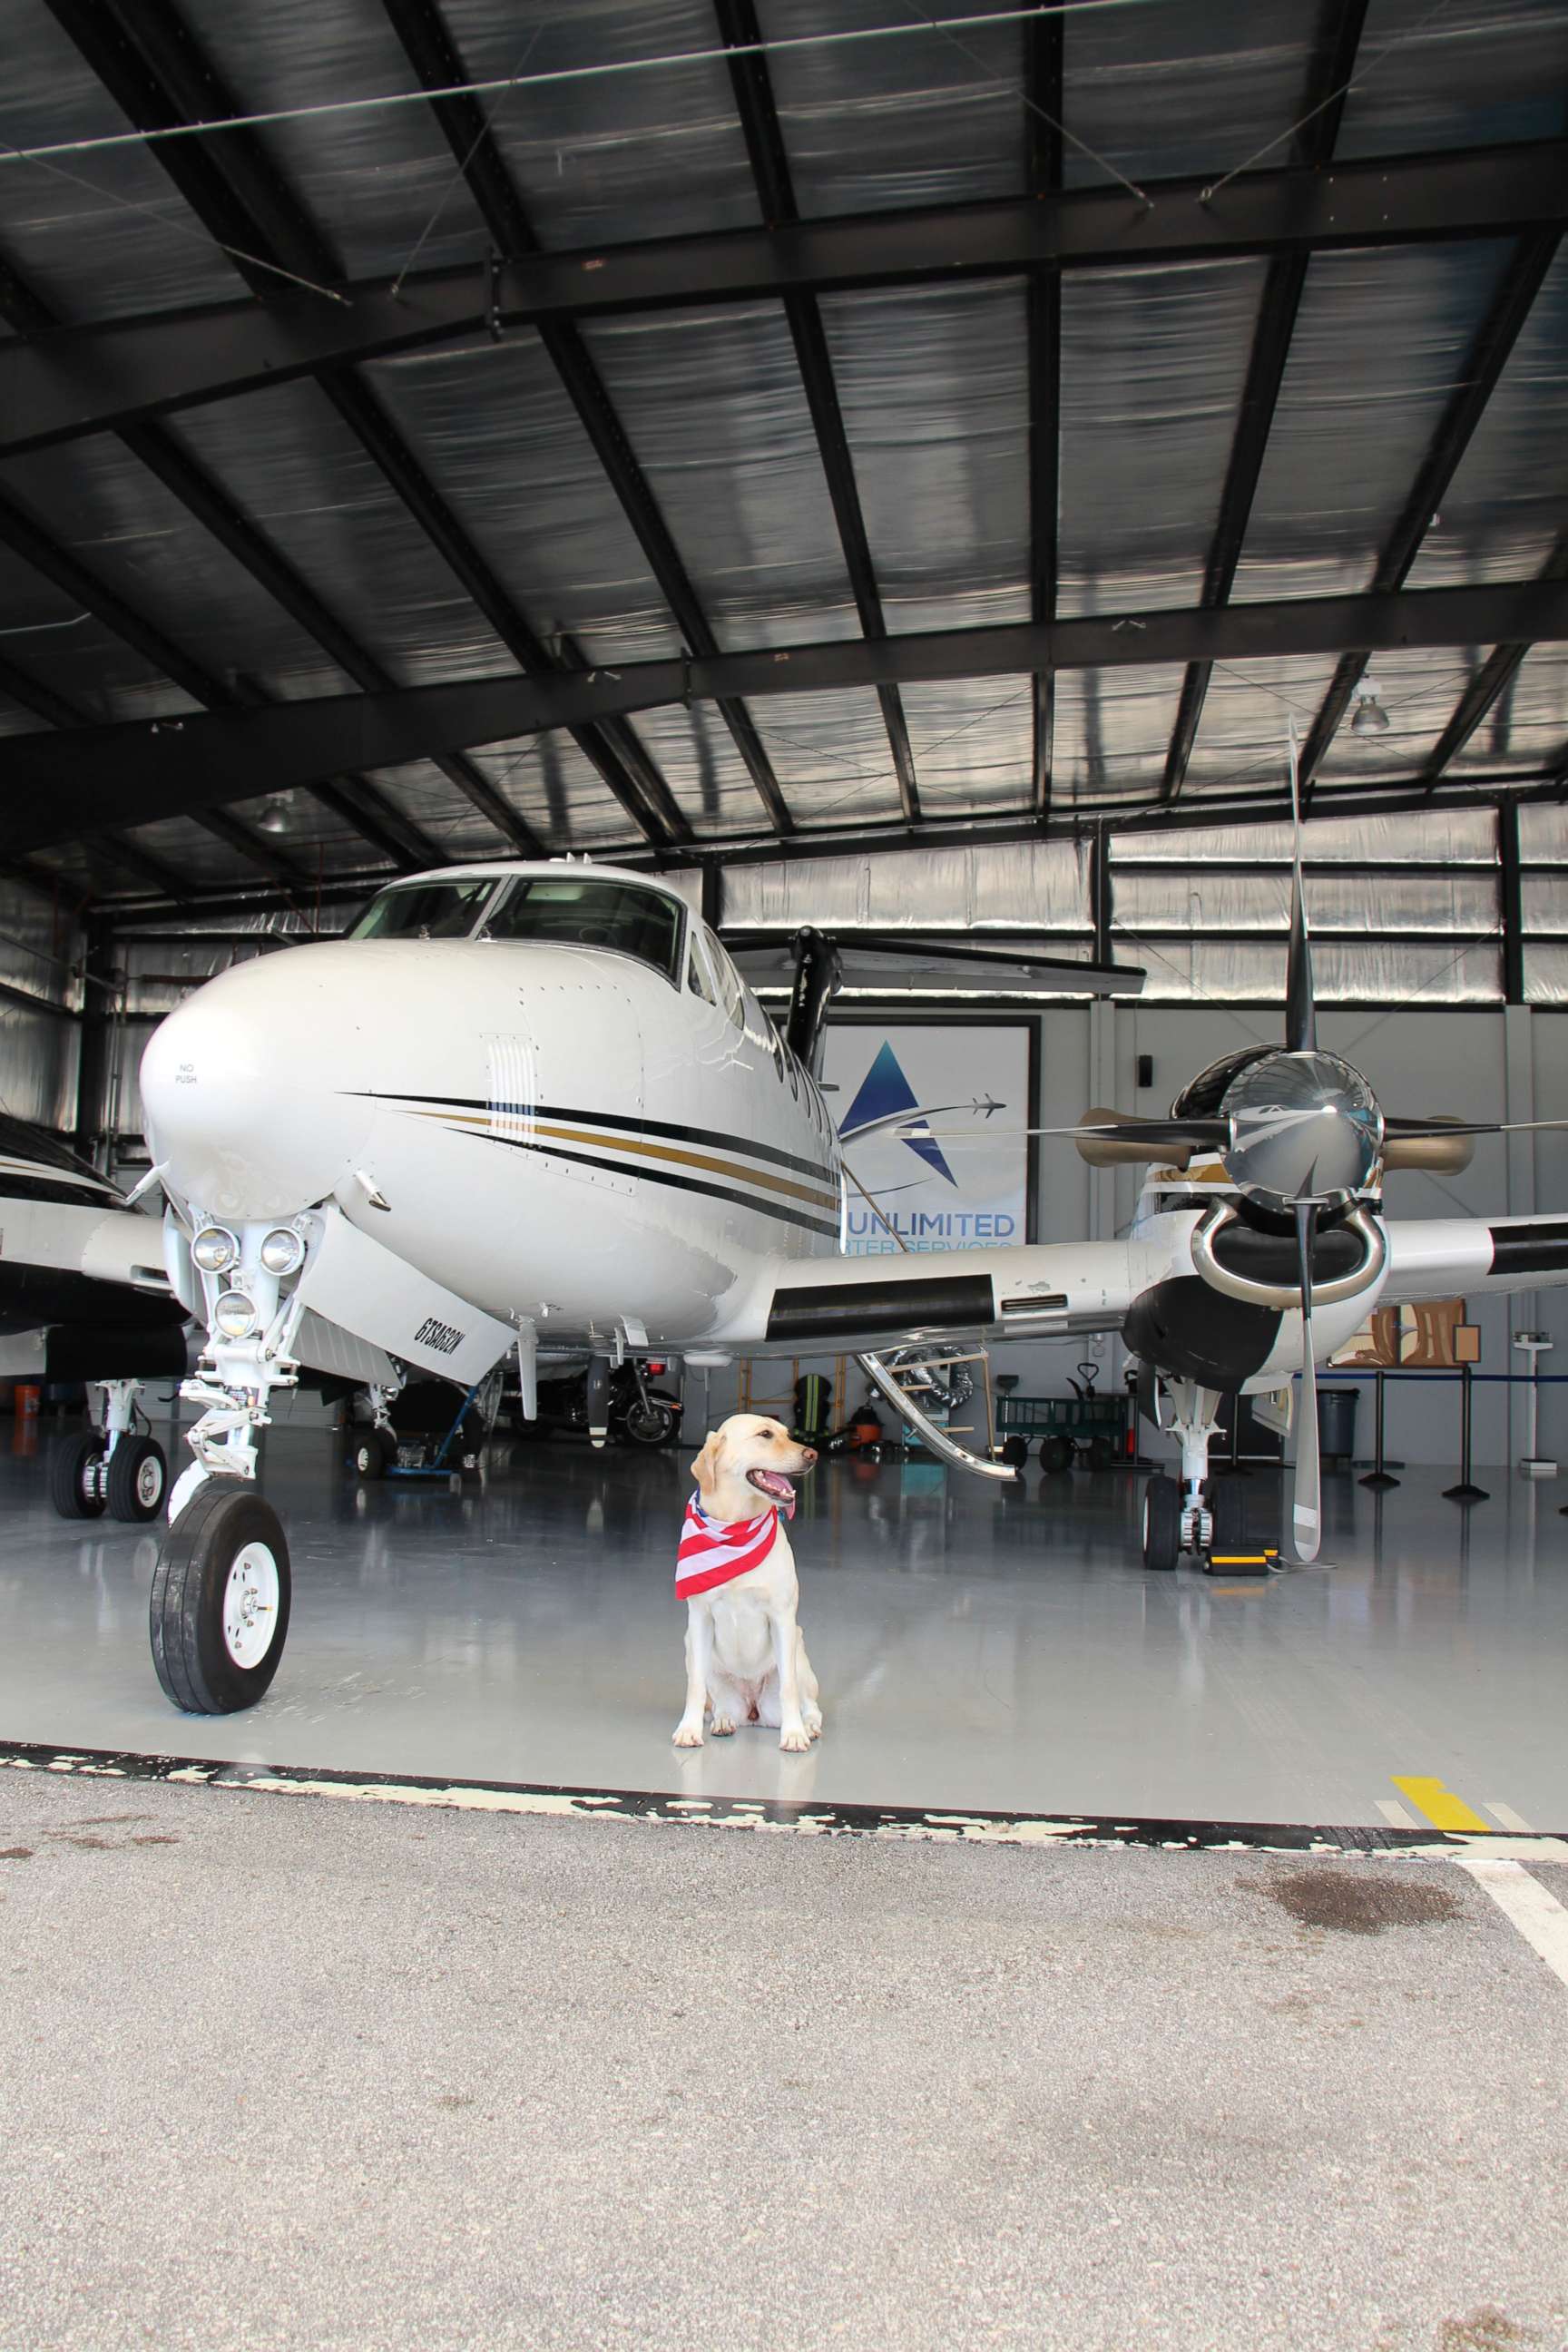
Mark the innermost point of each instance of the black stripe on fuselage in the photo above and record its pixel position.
(1539, 1248)
(918, 1302)
(649, 1175)
(652, 1127)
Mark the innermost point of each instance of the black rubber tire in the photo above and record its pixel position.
(1014, 1451)
(653, 1424)
(138, 1480)
(1102, 1454)
(195, 1667)
(1056, 1455)
(1228, 1509)
(1161, 1523)
(69, 1490)
(372, 1452)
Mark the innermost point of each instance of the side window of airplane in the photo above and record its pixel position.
(697, 979)
(732, 993)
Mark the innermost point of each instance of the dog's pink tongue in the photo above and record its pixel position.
(775, 1483)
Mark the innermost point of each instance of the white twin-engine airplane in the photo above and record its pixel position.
(534, 1110)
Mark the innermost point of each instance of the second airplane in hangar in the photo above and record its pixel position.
(536, 1109)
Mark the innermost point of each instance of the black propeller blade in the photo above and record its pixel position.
(1300, 1004)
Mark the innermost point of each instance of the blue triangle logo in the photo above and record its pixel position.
(884, 1091)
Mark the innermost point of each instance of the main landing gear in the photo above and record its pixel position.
(116, 1468)
(1197, 1513)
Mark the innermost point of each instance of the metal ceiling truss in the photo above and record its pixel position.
(87, 379)
(1484, 363)
(116, 849)
(1044, 46)
(435, 59)
(1335, 63)
(94, 773)
(152, 66)
(1498, 794)
(60, 383)
(753, 87)
(23, 537)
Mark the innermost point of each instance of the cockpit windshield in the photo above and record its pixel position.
(425, 911)
(585, 910)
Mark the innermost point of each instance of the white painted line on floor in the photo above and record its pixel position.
(1395, 1815)
(1540, 1920)
(1506, 1818)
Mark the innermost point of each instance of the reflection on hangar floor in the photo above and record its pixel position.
(974, 1649)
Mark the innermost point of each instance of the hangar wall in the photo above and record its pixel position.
(41, 991)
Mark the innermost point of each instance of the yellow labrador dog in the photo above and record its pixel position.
(744, 1653)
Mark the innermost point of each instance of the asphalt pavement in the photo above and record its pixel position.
(279, 2071)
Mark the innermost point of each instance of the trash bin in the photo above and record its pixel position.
(1336, 1423)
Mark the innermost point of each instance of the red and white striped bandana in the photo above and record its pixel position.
(714, 1552)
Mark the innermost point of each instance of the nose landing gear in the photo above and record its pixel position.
(218, 1610)
(1201, 1516)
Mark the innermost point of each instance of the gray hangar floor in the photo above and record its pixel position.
(1006, 1652)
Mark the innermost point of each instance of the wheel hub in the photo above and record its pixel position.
(250, 1604)
(149, 1482)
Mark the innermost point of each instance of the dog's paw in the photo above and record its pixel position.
(721, 1726)
(812, 1717)
(796, 1743)
(688, 1735)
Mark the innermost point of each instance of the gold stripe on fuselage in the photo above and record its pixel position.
(537, 1130)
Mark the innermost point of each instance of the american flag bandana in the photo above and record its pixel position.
(714, 1551)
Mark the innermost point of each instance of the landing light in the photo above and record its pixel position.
(215, 1249)
(283, 1250)
(235, 1315)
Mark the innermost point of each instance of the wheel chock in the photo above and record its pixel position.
(1241, 1563)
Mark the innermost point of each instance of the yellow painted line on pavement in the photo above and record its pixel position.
(1438, 1805)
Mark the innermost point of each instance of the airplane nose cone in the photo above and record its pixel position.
(242, 1088)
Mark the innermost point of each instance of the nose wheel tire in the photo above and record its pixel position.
(76, 1479)
(138, 1479)
(220, 1608)
(1161, 1523)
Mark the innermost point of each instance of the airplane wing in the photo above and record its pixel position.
(800, 1306)
(1474, 1257)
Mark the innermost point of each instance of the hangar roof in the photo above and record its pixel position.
(684, 432)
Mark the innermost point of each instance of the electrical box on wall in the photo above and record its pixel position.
(1145, 1069)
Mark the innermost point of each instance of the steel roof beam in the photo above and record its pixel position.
(753, 87)
(23, 537)
(1488, 356)
(1341, 31)
(430, 50)
(1044, 49)
(95, 773)
(31, 694)
(152, 66)
(18, 531)
(1490, 684)
(374, 817)
(87, 379)
(1395, 797)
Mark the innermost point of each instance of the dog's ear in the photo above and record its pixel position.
(705, 1469)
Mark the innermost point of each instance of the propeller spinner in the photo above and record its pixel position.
(1303, 1127)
